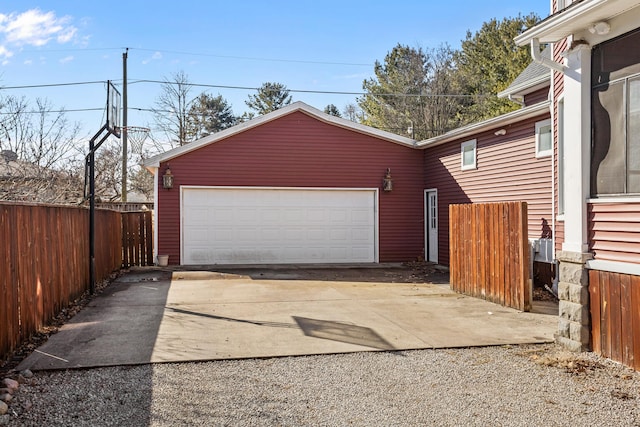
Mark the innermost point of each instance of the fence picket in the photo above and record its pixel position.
(490, 252)
(44, 261)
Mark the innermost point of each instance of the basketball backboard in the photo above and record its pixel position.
(113, 109)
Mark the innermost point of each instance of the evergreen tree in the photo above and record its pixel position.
(209, 114)
(488, 62)
(332, 110)
(413, 92)
(270, 97)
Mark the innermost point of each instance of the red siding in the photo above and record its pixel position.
(537, 96)
(614, 231)
(297, 150)
(508, 170)
(558, 88)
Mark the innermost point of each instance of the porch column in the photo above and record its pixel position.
(574, 328)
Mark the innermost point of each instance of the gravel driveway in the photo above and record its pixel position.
(532, 385)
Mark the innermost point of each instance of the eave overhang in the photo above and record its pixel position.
(575, 19)
(487, 125)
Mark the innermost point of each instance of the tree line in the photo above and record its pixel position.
(414, 91)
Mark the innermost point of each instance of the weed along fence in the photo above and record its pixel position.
(489, 252)
(44, 263)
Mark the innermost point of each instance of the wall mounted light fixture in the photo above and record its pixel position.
(601, 28)
(167, 178)
(387, 182)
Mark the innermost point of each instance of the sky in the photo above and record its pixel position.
(309, 46)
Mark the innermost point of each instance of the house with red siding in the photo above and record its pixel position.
(300, 186)
(505, 158)
(292, 186)
(596, 138)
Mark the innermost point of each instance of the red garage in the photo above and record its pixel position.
(292, 186)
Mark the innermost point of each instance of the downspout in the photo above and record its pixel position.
(512, 98)
(549, 63)
(555, 66)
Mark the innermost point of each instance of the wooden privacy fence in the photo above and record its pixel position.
(489, 252)
(615, 317)
(44, 265)
(137, 239)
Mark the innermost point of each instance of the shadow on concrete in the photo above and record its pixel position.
(419, 272)
(545, 307)
(231, 319)
(118, 327)
(342, 332)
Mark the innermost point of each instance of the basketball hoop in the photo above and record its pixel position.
(136, 135)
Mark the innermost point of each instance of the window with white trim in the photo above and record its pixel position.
(468, 155)
(544, 142)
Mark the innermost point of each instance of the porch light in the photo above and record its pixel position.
(167, 179)
(601, 28)
(387, 182)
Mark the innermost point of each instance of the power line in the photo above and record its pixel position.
(251, 58)
(326, 92)
(211, 55)
(54, 85)
(75, 110)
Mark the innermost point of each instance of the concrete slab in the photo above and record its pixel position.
(161, 316)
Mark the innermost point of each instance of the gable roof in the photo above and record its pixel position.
(534, 77)
(154, 162)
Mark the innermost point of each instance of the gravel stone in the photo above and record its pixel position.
(4, 408)
(12, 385)
(533, 385)
(26, 374)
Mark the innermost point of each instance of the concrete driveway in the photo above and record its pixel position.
(153, 315)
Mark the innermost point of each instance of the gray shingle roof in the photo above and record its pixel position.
(530, 75)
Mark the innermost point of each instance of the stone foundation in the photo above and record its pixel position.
(574, 328)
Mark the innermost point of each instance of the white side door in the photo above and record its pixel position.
(431, 225)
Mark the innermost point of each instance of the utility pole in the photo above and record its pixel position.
(124, 125)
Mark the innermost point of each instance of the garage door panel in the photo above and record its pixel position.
(226, 235)
(197, 235)
(244, 235)
(271, 215)
(221, 215)
(270, 234)
(316, 214)
(338, 235)
(235, 225)
(198, 216)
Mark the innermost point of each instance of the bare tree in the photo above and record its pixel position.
(142, 182)
(39, 153)
(413, 92)
(172, 109)
(108, 172)
(353, 112)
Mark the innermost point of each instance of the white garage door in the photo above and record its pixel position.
(268, 226)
